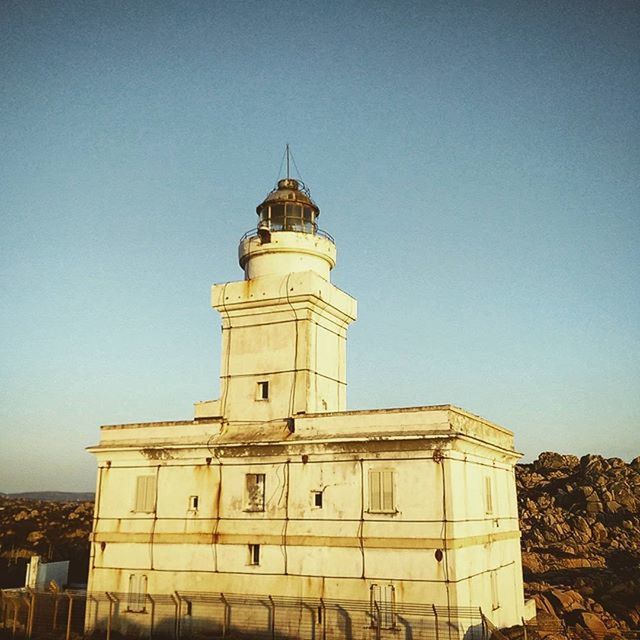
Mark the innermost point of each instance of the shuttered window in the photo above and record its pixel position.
(145, 494)
(137, 596)
(381, 491)
(383, 606)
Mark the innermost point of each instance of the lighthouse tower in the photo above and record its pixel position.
(284, 327)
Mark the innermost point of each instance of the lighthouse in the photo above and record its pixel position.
(278, 512)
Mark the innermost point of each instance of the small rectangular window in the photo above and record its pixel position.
(254, 554)
(137, 595)
(193, 503)
(488, 495)
(317, 499)
(381, 491)
(254, 492)
(145, 494)
(263, 390)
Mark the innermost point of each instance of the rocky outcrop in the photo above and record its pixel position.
(580, 522)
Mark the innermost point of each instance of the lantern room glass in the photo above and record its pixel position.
(290, 216)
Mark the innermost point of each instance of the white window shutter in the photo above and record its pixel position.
(150, 494)
(133, 591)
(142, 592)
(375, 493)
(139, 506)
(145, 494)
(387, 491)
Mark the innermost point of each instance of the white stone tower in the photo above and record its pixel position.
(284, 326)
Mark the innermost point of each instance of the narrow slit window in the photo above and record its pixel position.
(488, 495)
(193, 503)
(263, 390)
(317, 499)
(254, 554)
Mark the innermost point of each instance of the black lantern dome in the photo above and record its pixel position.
(288, 207)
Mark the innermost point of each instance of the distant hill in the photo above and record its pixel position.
(52, 496)
(53, 524)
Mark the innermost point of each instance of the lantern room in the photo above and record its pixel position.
(288, 207)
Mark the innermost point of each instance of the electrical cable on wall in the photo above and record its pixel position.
(440, 462)
(292, 393)
(225, 394)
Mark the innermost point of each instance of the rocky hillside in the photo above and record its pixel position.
(52, 529)
(580, 521)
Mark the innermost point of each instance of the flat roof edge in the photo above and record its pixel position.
(166, 423)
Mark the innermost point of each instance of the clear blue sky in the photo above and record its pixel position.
(477, 164)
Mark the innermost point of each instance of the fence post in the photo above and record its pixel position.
(435, 613)
(110, 617)
(55, 612)
(176, 598)
(32, 609)
(272, 622)
(3, 621)
(376, 608)
(69, 616)
(153, 615)
(15, 617)
(25, 598)
(225, 616)
(324, 619)
(524, 629)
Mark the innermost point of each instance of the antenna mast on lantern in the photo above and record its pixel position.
(287, 153)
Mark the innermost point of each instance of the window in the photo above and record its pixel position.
(136, 598)
(381, 498)
(254, 554)
(317, 499)
(262, 392)
(383, 606)
(145, 494)
(495, 601)
(193, 503)
(254, 492)
(488, 495)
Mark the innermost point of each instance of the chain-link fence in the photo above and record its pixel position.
(25, 613)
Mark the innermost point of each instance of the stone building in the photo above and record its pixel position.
(277, 488)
